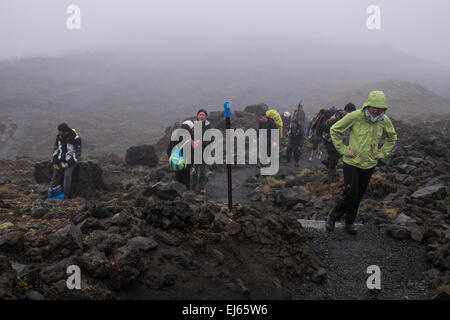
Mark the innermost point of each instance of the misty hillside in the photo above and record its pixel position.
(405, 100)
(116, 100)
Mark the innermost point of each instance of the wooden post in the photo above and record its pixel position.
(227, 114)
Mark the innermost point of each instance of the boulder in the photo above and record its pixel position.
(404, 220)
(95, 263)
(142, 244)
(220, 222)
(233, 228)
(166, 191)
(289, 197)
(434, 192)
(142, 155)
(69, 237)
(257, 108)
(12, 241)
(87, 177)
(8, 277)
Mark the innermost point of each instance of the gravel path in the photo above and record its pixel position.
(345, 257)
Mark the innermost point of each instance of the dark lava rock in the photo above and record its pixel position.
(256, 109)
(91, 224)
(33, 295)
(87, 177)
(220, 222)
(8, 278)
(101, 212)
(435, 192)
(166, 191)
(69, 237)
(43, 172)
(142, 155)
(12, 242)
(397, 232)
(38, 213)
(233, 228)
(96, 265)
(142, 244)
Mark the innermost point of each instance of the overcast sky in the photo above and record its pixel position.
(38, 27)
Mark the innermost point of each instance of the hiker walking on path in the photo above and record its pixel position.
(182, 169)
(286, 121)
(316, 128)
(267, 123)
(66, 154)
(199, 170)
(296, 137)
(300, 116)
(366, 126)
(315, 141)
(333, 154)
(12, 130)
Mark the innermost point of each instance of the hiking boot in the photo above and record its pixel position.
(310, 159)
(319, 156)
(329, 225)
(350, 228)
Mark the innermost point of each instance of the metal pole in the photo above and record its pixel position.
(227, 114)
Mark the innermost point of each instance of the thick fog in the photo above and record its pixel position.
(29, 28)
(133, 67)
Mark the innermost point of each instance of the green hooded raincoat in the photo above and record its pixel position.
(364, 134)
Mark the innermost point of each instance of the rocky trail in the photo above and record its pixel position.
(135, 233)
(345, 257)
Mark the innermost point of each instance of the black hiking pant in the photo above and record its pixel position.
(293, 148)
(184, 176)
(59, 175)
(199, 177)
(333, 155)
(356, 181)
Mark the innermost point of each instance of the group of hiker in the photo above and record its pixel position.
(8, 131)
(7, 134)
(360, 149)
(349, 133)
(184, 172)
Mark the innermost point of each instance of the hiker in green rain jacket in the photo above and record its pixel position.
(366, 126)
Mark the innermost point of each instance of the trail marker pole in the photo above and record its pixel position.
(227, 113)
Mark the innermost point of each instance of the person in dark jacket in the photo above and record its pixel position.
(3, 135)
(66, 154)
(296, 138)
(269, 124)
(12, 130)
(184, 176)
(333, 154)
(300, 116)
(199, 170)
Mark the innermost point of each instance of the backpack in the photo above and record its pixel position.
(320, 119)
(317, 120)
(275, 116)
(176, 161)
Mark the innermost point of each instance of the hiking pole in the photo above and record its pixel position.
(226, 113)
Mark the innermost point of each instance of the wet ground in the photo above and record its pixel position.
(344, 257)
